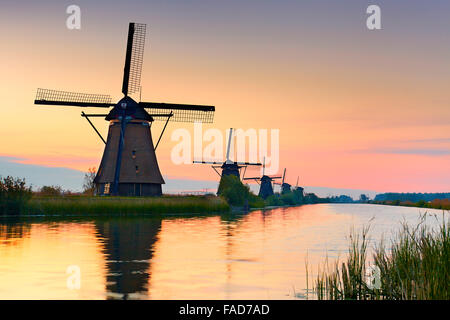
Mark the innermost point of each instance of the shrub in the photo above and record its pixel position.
(255, 202)
(233, 190)
(421, 203)
(238, 194)
(14, 195)
(52, 191)
(288, 198)
(274, 200)
(298, 196)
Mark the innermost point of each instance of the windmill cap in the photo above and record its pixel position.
(131, 109)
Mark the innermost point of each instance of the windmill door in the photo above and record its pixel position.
(137, 189)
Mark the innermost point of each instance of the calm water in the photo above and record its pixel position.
(259, 255)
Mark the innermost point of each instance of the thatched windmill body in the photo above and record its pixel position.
(265, 182)
(129, 166)
(299, 192)
(285, 187)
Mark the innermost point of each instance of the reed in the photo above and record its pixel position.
(82, 205)
(14, 195)
(416, 266)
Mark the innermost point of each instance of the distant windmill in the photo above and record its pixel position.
(129, 166)
(228, 166)
(266, 188)
(285, 187)
(299, 189)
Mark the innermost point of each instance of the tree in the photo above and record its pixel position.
(89, 185)
(232, 189)
(363, 198)
(53, 191)
(14, 195)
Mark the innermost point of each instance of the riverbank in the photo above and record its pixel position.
(84, 205)
(443, 204)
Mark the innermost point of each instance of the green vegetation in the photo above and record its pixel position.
(234, 191)
(14, 195)
(434, 204)
(294, 198)
(412, 197)
(17, 199)
(239, 195)
(84, 205)
(417, 266)
(50, 191)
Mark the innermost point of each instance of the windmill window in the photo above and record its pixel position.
(137, 169)
(106, 189)
(133, 154)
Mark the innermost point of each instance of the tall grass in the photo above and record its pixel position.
(83, 205)
(417, 266)
(14, 195)
(443, 204)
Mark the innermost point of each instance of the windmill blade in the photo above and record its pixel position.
(181, 112)
(247, 163)
(264, 166)
(230, 138)
(255, 178)
(134, 58)
(275, 177)
(207, 162)
(76, 99)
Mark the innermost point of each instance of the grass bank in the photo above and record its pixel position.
(443, 204)
(83, 205)
(416, 266)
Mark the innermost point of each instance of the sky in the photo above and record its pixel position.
(356, 108)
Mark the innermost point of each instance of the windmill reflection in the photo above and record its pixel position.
(14, 231)
(128, 247)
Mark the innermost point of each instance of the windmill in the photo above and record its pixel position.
(129, 166)
(265, 182)
(298, 188)
(285, 187)
(228, 166)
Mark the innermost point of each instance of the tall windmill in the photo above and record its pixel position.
(265, 182)
(129, 166)
(228, 166)
(285, 187)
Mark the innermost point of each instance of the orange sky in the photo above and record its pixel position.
(355, 108)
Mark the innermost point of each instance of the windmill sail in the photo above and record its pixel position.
(134, 58)
(76, 99)
(181, 112)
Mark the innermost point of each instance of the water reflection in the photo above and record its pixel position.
(259, 255)
(13, 231)
(128, 248)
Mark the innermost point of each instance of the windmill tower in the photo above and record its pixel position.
(285, 187)
(299, 192)
(265, 182)
(129, 166)
(228, 166)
